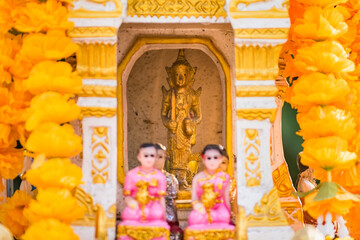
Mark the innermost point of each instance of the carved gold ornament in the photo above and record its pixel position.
(262, 33)
(97, 60)
(256, 91)
(257, 114)
(271, 9)
(176, 8)
(87, 32)
(142, 232)
(97, 112)
(91, 210)
(107, 9)
(211, 234)
(98, 91)
(289, 203)
(100, 155)
(252, 161)
(268, 212)
(257, 62)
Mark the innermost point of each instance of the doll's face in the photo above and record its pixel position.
(160, 160)
(147, 157)
(212, 159)
(180, 75)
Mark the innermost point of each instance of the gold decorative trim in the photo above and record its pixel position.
(262, 33)
(257, 114)
(252, 163)
(85, 13)
(257, 62)
(98, 91)
(186, 41)
(268, 212)
(97, 112)
(100, 155)
(214, 234)
(97, 60)
(142, 232)
(177, 8)
(274, 12)
(86, 32)
(89, 219)
(256, 91)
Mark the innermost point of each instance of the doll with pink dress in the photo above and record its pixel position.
(144, 191)
(211, 200)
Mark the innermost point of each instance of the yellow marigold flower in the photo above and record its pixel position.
(338, 205)
(327, 153)
(55, 173)
(5, 130)
(322, 3)
(11, 163)
(53, 45)
(51, 107)
(54, 203)
(11, 213)
(326, 121)
(50, 229)
(318, 89)
(54, 140)
(325, 57)
(53, 76)
(40, 17)
(321, 24)
(58, 45)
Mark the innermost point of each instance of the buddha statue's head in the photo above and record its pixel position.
(181, 73)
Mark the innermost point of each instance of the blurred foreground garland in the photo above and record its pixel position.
(322, 67)
(37, 103)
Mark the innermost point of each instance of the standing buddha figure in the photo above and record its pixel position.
(144, 191)
(180, 114)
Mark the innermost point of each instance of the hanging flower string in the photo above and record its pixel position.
(321, 79)
(36, 61)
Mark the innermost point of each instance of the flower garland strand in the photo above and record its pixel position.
(42, 25)
(318, 69)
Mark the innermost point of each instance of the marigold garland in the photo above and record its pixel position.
(321, 72)
(34, 81)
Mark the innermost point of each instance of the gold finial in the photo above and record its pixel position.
(181, 60)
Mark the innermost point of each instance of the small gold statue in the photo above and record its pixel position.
(180, 114)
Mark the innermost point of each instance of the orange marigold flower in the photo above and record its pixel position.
(9, 48)
(55, 173)
(39, 17)
(321, 24)
(11, 213)
(54, 203)
(323, 3)
(326, 121)
(338, 205)
(50, 229)
(325, 57)
(54, 140)
(318, 89)
(352, 221)
(51, 107)
(11, 163)
(53, 76)
(327, 153)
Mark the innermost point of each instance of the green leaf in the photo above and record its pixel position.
(327, 190)
(303, 194)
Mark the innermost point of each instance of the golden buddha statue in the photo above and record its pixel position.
(180, 114)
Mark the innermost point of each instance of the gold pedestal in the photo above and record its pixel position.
(211, 234)
(143, 232)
